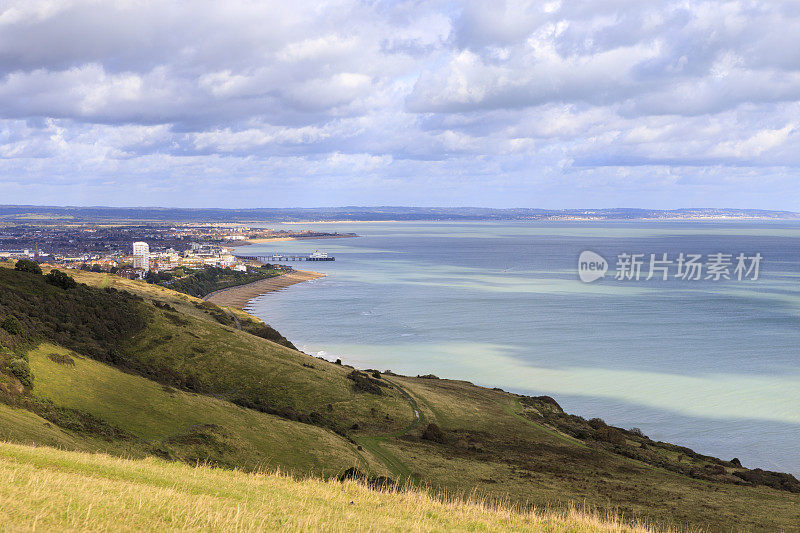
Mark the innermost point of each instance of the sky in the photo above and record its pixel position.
(551, 104)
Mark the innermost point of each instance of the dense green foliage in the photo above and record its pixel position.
(22, 370)
(26, 265)
(59, 279)
(364, 383)
(158, 277)
(11, 325)
(90, 321)
(207, 280)
(265, 331)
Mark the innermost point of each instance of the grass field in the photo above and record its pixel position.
(49, 489)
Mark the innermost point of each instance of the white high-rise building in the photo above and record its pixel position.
(141, 255)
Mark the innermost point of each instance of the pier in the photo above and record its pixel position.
(277, 257)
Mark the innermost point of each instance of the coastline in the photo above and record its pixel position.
(240, 295)
(281, 239)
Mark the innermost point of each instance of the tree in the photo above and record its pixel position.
(59, 279)
(26, 265)
(21, 369)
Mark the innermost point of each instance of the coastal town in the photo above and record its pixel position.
(143, 251)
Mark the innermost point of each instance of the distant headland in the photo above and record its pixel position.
(38, 214)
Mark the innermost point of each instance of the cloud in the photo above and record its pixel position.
(468, 102)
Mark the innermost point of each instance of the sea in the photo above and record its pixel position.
(710, 363)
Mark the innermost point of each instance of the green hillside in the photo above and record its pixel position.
(193, 427)
(133, 369)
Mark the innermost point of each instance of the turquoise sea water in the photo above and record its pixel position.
(711, 365)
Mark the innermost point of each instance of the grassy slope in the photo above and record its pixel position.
(168, 420)
(500, 452)
(231, 363)
(23, 426)
(58, 490)
(492, 448)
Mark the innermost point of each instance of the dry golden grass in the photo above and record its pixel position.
(48, 489)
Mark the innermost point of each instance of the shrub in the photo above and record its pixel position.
(265, 331)
(165, 306)
(62, 359)
(637, 432)
(21, 369)
(610, 435)
(434, 433)
(59, 279)
(26, 265)
(364, 383)
(776, 480)
(11, 325)
(373, 482)
(551, 401)
(597, 423)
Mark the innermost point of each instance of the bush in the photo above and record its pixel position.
(434, 433)
(610, 435)
(26, 265)
(265, 331)
(59, 279)
(373, 482)
(12, 325)
(776, 480)
(62, 359)
(597, 423)
(364, 383)
(22, 370)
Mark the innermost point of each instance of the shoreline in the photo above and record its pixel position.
(249, 242)
(241, 295)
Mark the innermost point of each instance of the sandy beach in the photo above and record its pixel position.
(239, 296)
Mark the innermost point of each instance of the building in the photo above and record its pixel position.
(141, 255)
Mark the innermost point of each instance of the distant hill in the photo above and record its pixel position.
(136, 370)
(361, 213)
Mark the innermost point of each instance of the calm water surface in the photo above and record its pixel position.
(711, 365)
